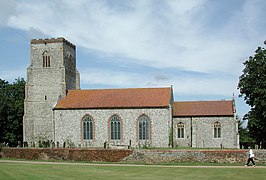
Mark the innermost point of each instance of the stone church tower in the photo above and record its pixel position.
(51, 73)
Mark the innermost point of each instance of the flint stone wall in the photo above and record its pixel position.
(46, 85)
(68, 126)
(133, 156)
(199, 133)
(211, 156)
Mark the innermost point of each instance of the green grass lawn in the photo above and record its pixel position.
(94, 171)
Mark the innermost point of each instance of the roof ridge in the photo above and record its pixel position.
(119, 89)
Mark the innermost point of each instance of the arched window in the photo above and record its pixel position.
(69, 57)
(87, 128)
(180, 130)
(217, 130)
(144, 128)
(46, 59)
(115, 128)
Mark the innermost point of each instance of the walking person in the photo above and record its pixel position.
(250, 157)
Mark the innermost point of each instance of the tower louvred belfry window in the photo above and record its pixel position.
(46, 59)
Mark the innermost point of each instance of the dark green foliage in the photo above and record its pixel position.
(11, 111)
(252, 85)
(245, 139)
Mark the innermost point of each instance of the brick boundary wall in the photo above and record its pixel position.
(136, 155)
(68, 154)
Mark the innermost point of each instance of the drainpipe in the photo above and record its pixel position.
(191, 131)
(53, 125)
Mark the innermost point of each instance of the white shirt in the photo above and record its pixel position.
(251, 155)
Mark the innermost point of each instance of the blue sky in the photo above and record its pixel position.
(198, 46)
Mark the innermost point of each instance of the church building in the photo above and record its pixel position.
(57, 110)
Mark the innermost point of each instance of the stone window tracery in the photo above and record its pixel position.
(88, 128)
(217, 130)
(180, 130)
(144, 128)
(115, 125)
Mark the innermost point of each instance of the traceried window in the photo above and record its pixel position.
(46, 59)
(87, 128)
(180, 130)
(115, 125)
(217, 130)
(144, 128)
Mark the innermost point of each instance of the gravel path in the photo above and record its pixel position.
(95, 164)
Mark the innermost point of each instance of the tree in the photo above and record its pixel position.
(11, 111)
(245, 139)
(252, 85)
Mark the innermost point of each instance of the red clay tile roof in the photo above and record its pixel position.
(116, 98)
(203, 108)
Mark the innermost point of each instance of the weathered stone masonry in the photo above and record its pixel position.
(68, 126)
(199, 132)
(46, 85)
(138, 156)
(52, 74)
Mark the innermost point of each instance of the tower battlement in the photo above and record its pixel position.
(52, 40)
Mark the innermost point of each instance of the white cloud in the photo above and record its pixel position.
(182, 85)
(110, 78)
(160, 34)
(159, 37)
(7, 9)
